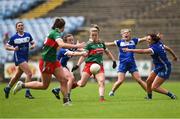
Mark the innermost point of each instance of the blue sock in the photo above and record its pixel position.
(27, 91)
(169, 94)
(57, 89)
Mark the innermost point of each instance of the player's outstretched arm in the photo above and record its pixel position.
(175, 58)
(139, 51)
(142, 39)
(67, 45)
(74, 53)
(110, 44)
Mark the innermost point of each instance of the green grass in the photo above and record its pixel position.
(128, 102)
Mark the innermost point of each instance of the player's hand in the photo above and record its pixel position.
(32, 47)
(74, 68)
(84, 53)
(114, 65)
(16, 48)
(125, 49)
(80, 45)
(175, 59)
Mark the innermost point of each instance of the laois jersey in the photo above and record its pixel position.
(62, 56)
(159, 55)
(22, 42)
(126, 56)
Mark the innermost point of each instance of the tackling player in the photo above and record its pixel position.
(162, 66)
(63, 55)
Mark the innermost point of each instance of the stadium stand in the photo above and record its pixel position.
(38, 28)
(13, 8)
(43, 9)
(142, 16)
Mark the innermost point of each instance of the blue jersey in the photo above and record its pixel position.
(126, 56)
(160, 60)
(62, 57)
(159, 55)
(22, 42)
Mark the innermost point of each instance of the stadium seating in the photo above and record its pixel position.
(148, 16)
(13, 8)
(38, 28)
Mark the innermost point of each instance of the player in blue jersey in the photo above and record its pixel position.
(19, 43)
(126, 59)
(162, 66)
(63, 55)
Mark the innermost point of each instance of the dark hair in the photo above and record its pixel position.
(95, 26)
(18, 23)
(59, 23)
(154, 37)
(66, 36)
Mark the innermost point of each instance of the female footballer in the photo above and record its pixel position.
(19, 43)
(162, 66)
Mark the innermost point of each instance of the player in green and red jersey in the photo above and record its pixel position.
(49, 64)
(95, 49)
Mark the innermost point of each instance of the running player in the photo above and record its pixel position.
(63, 55)
(95, 48)
(48, 64)
(19, 43)
(126, 60)
(162, 66)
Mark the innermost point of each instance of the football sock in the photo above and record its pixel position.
(65, 100)
(57, 89)
(170, 94)
(27, 91)
(149, 95)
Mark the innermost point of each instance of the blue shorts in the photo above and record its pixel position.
(127, 66)
(18, 61)
(163, 72)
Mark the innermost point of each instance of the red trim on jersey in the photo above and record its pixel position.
(96, 51)
(51, 43)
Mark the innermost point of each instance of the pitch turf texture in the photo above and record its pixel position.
(128, 102)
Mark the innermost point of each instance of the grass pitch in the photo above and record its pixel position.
(128, 102)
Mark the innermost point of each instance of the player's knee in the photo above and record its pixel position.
(154, 88)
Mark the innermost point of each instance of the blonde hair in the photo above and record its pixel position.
(125, 30)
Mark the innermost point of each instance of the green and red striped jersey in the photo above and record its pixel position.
(50, 46)
(95, 51)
